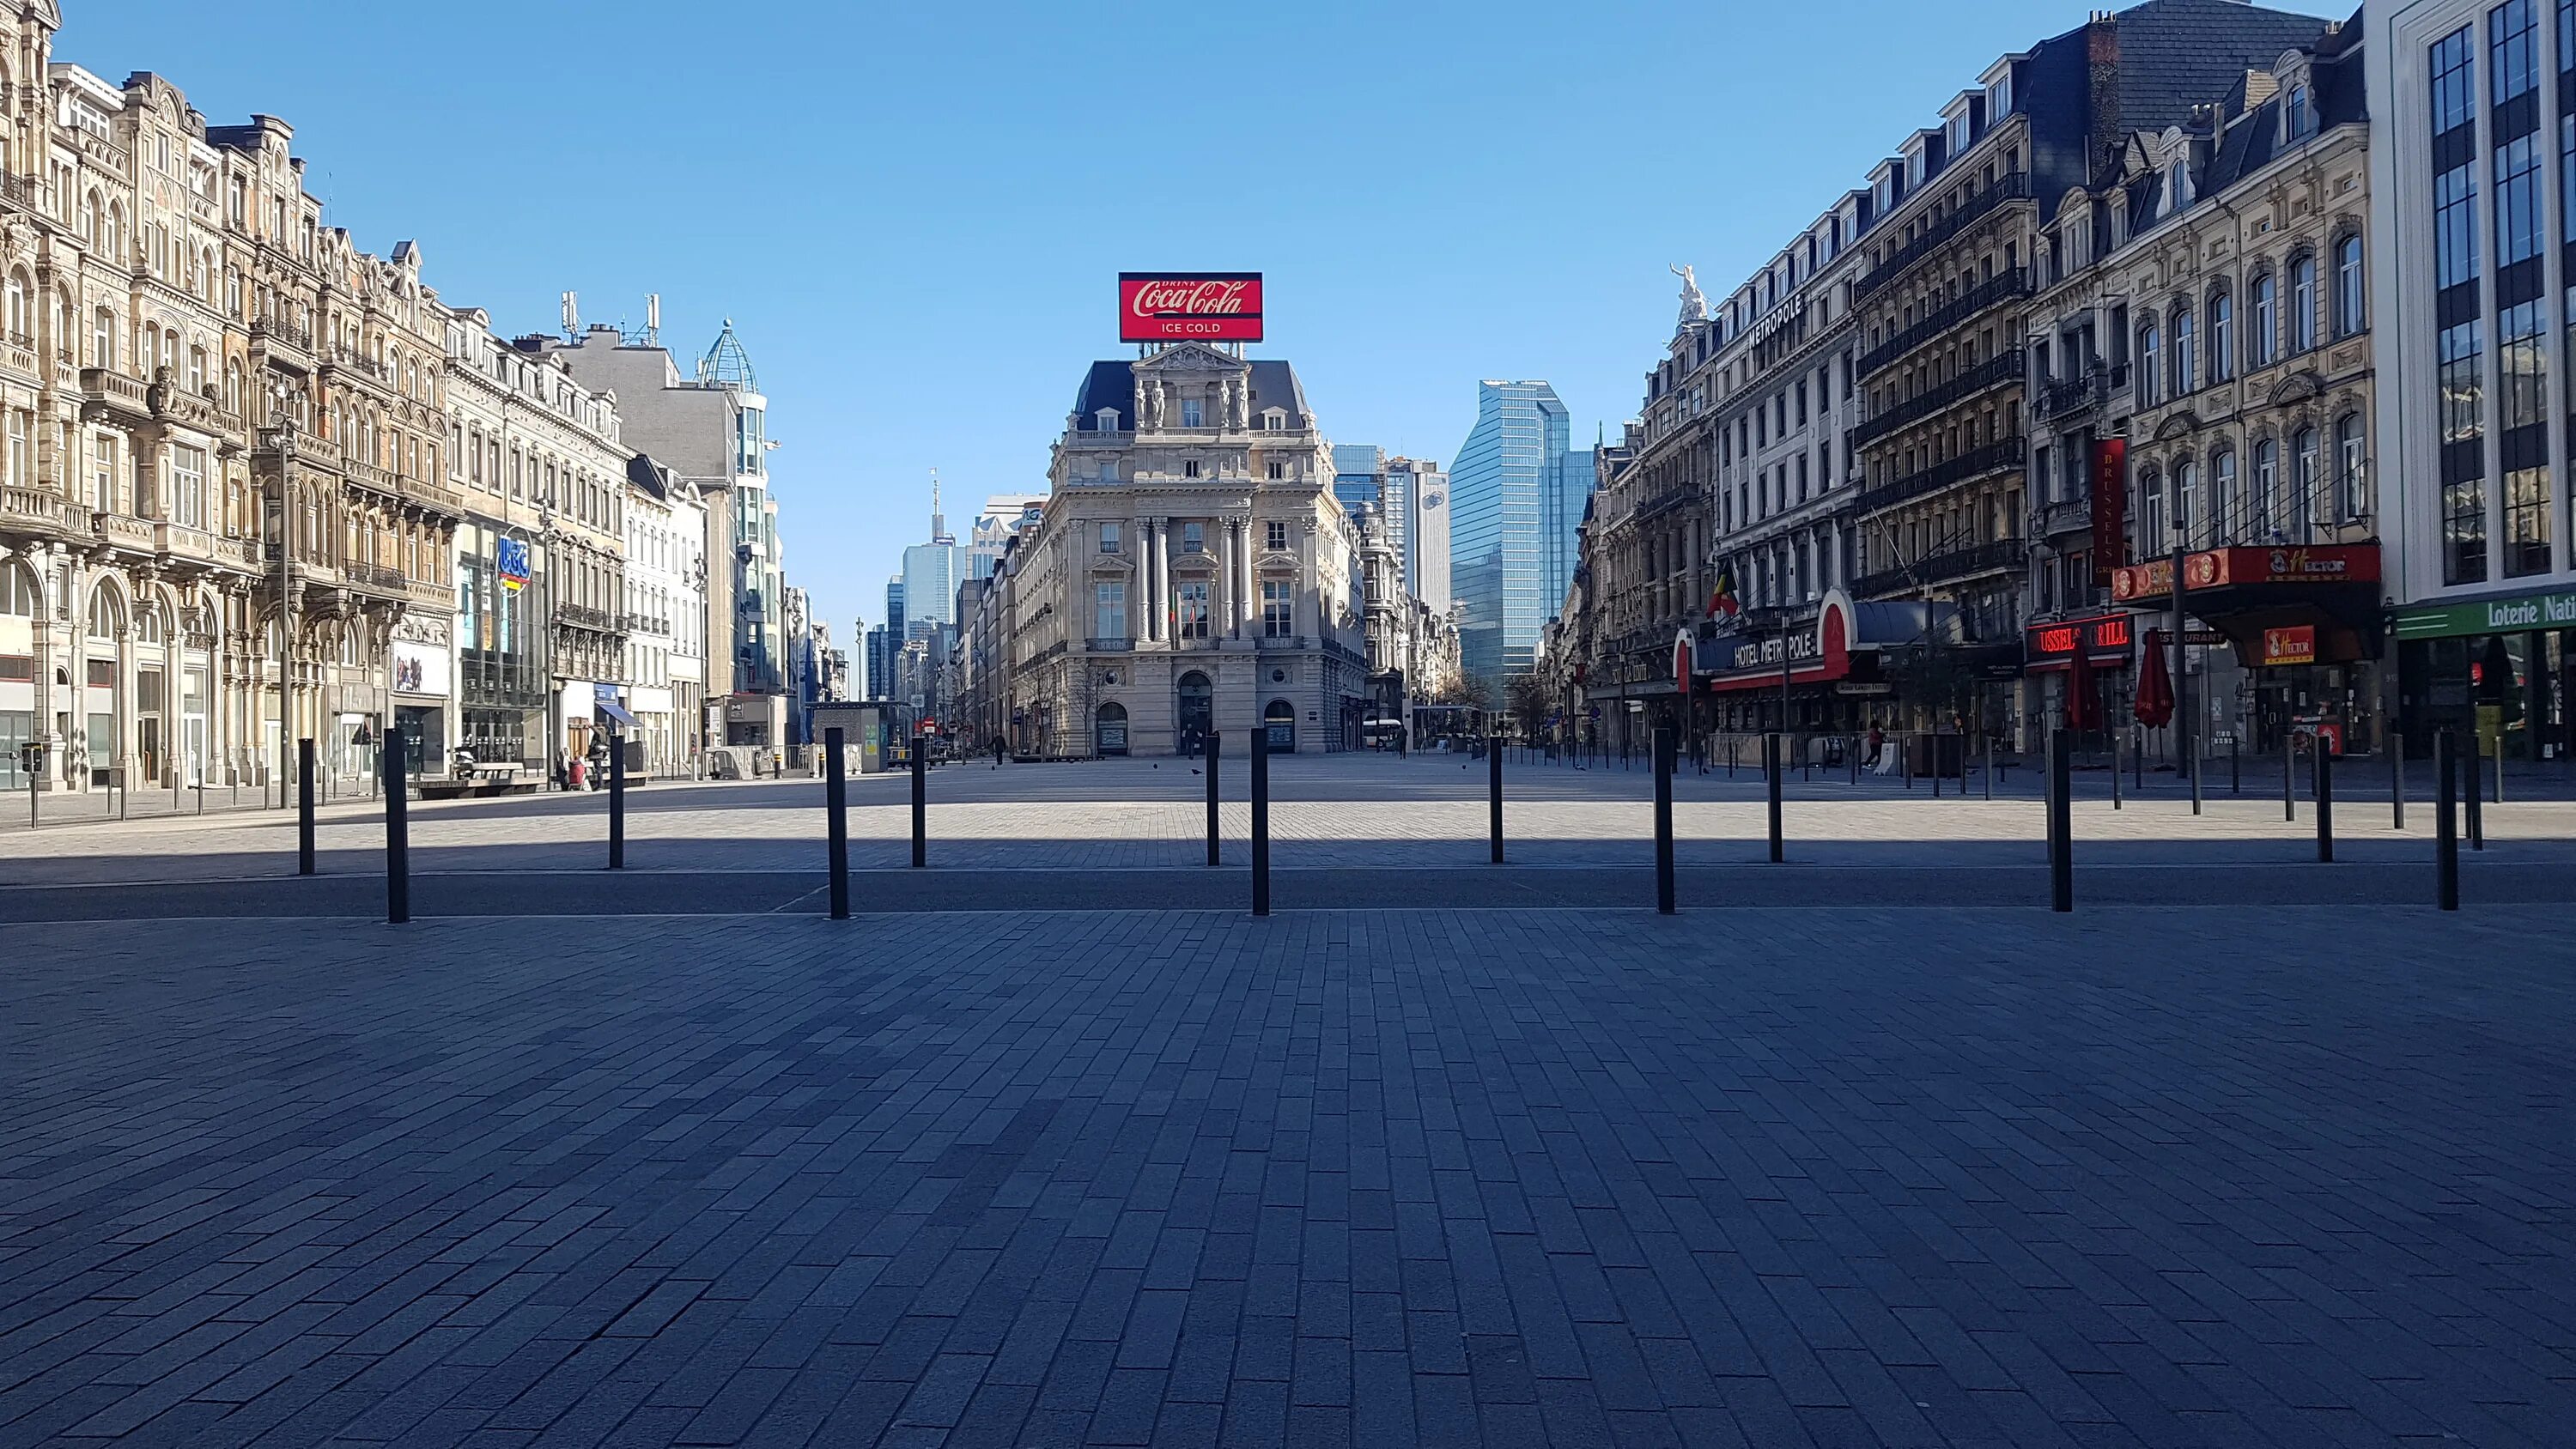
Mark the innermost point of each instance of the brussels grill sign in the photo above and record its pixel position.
(1189, 307)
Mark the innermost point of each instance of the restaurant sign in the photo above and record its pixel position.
(2218, 568)
(2109, 634)
(2294, 645)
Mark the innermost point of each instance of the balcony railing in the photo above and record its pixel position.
(2074, 395)
(1109, 645)
(1995, 371)
(1967, 213)
(1958, 563)
(376, 576)
(2064, 516)
(2002, 288)
(18, 189)
(2003, 453)
(24, 507)
(1279, 641)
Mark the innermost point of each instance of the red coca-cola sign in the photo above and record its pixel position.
(1198, 307)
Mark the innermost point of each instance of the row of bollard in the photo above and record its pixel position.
(2057, 786)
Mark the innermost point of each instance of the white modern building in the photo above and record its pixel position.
(666, 602)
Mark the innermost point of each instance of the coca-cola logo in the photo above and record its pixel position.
(1189, 299)
(1207, 307)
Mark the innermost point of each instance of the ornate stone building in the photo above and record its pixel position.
(1192, 570)
(222, 426)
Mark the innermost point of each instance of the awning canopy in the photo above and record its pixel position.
(617, 713)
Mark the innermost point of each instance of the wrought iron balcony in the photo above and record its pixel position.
(1996, 371)
(1941, 321)
(1994, 457)
(2015, 187)
(1941, 568)
(2074, 395)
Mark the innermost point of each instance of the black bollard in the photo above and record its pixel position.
(1771, 768)
(2396, 781)
(2323, 787)
(920, 802)
(1494, 798)
(2289, 777)
(397, 832)
(1261, 820)
(1664, 821)
(2061, 824)
(1214, 831)
(616, 803)
(2446, 837)
(304, 807)
(2472, 766)
(836, 820)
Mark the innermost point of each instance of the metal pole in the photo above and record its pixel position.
(2446, 838)
(397, 832)
(2115, 767)
(2396, 780)
(2289, 775)
(836, 820)
(2186, 736)
(304, 810)
(1986, 747)
(1261, 820)
(616, 803)
(2061, 825)
(1664, 822)
(2236, 764)
(1494, 795)
(1214, 831)
(1771, 745)
(920, 803)
(2323, 788)
(2471, 769)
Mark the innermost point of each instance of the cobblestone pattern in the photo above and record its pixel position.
(2181, 1177)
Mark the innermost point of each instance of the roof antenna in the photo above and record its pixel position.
(652, 319)
(571, 317)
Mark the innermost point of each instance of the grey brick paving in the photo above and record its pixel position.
(1862, 1177)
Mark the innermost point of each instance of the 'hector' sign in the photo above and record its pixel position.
(1204, 307)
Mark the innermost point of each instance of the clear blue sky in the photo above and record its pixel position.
(915, 213)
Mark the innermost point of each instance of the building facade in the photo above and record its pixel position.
(1191, 572)
(666, 567)
(2472, 227)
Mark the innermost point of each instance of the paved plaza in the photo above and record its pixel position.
(2203, 1164)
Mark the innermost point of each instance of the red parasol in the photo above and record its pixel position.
(2083, 699)
(2155, 684)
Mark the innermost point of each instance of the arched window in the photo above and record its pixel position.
(232, 385)
(112, 241)
(2151, 515)
(2150, 368)
(92, 218)
(2349, 312)
(106, 620)
(2186, 502)
(2349, 482)
(196, 372)
(170, 351)
(147, 625)
(2222, 337)
(2304, 499)
(2263, 339)
(19, 598)
(2186, 364)
(21, 314)
(2303, 303)
(2226, 503)
(2267, 483)
(102, 339)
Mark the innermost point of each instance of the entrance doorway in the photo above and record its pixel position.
(1197, 712)
(1280, 719)
(1109, 731)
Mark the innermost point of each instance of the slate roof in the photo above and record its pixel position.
(2177, 54)
(1113, 385)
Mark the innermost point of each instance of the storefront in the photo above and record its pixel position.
(2106, 645)
(420, 660)
(2303, 631)
(2496, 664)
(1883, 663)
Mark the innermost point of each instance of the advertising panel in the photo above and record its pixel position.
(1190, 307)
(2110, 506)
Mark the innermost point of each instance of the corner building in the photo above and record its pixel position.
(2473, 177)
(1192, 570)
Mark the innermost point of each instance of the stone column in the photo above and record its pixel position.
(1159, 583)
(1245, 574)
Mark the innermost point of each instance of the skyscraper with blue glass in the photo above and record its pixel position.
(1516, 495)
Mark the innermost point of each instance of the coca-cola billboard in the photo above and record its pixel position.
(1199, 307)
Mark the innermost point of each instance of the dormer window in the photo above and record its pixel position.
(1105, 421)
(2177, 188)
(2298, 111)
(1274, 420)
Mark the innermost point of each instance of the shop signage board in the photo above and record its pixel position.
(2293, 645)
(510, 561)
(2109, 634)
(2110, 506)
(2217, 568)
(1189, 307)
(2489, 616)
(1802, 648)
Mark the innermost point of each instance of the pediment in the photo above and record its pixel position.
(1112, 563)
(1192, 357)
(2297, 387)
(2180, 423)
(1279, 559)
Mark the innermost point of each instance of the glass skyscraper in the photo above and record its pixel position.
(1516, 495)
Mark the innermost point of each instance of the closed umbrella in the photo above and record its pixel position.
(2155, 706)
(2083, 699)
